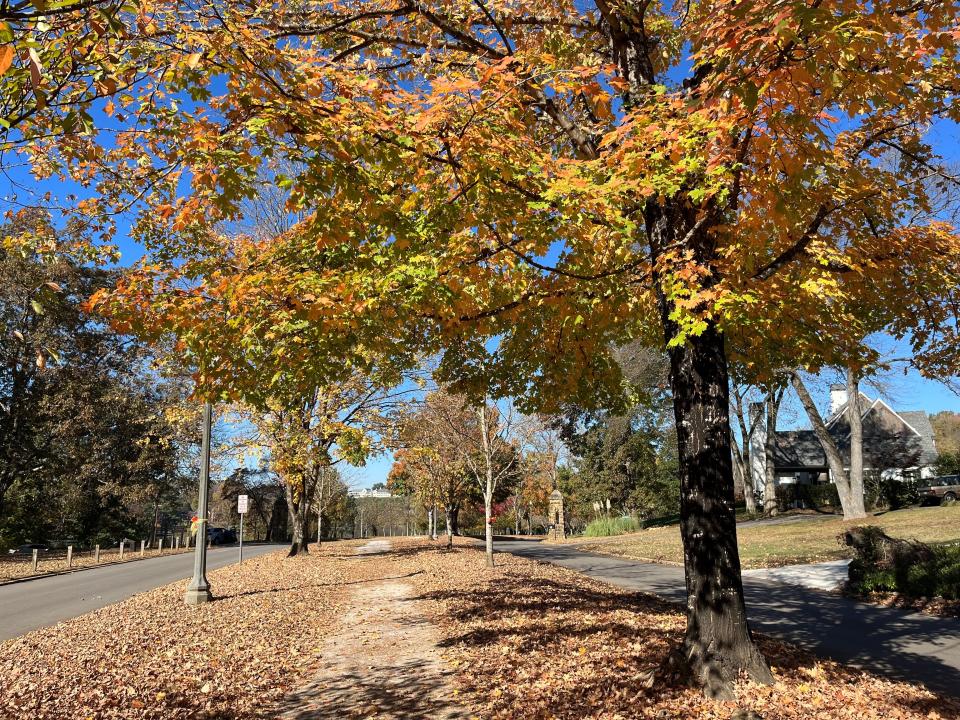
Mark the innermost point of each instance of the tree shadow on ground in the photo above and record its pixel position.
(887, 642)
(404, 692)
(300, 587)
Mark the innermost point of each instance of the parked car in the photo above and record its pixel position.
(28, 549)
(944, 489)
(221, 536)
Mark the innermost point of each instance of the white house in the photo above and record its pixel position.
(897, 443)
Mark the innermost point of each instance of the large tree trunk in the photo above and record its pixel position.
(852, 506)
(770, 504)
(855, 418)
(718, 644)
(455, 518)
(298, 520)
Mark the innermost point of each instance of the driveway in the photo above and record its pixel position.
(901, 645)
(46, 601)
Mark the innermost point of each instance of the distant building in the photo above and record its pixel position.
(368, 493)
(896, 443)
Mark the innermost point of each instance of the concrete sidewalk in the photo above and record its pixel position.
(899, 644)
(829, 576)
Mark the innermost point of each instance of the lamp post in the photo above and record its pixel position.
(198, 591)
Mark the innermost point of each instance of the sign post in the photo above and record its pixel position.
(242, 502)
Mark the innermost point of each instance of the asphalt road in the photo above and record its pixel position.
(26, 606)
(898, 644)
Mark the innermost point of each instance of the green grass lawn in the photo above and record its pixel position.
(808, 539)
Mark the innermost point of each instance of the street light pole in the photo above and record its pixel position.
(198, 591)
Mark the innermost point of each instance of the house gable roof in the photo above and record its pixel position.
(798, 449)
(890, 439)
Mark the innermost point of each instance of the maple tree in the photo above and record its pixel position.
(705, 177)
(430, 459)
(307, 437)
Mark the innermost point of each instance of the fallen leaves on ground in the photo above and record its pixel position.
(153, 657)
(537, 637)
(525, 639)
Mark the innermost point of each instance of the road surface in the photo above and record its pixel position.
(26, 606)
(898, 644)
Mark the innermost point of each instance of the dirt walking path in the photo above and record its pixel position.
(382, 663)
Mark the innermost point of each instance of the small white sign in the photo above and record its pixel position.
(242, 503)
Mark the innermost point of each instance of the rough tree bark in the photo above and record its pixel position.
(718, 644)
(297, 507)
(852, 504)
(455, 518)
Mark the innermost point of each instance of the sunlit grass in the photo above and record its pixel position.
(800, 541)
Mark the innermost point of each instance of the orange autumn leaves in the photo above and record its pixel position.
(464, 170)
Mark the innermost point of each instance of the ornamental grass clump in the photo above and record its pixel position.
(604, 527)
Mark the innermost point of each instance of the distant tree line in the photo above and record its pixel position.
(94, 444)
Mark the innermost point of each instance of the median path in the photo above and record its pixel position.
(899, 644)
(46, 601)
(382, 663)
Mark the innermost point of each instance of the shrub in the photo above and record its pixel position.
(604, 527)
(882, 563)
(807, 496)
(893, 493)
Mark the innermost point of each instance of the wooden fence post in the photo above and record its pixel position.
(176, 542)
(160, 548)
(121, 549)
(34, 559)
(143, 544)
(69, 556)
(96, 554)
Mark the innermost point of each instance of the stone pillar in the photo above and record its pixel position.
(555, 513)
